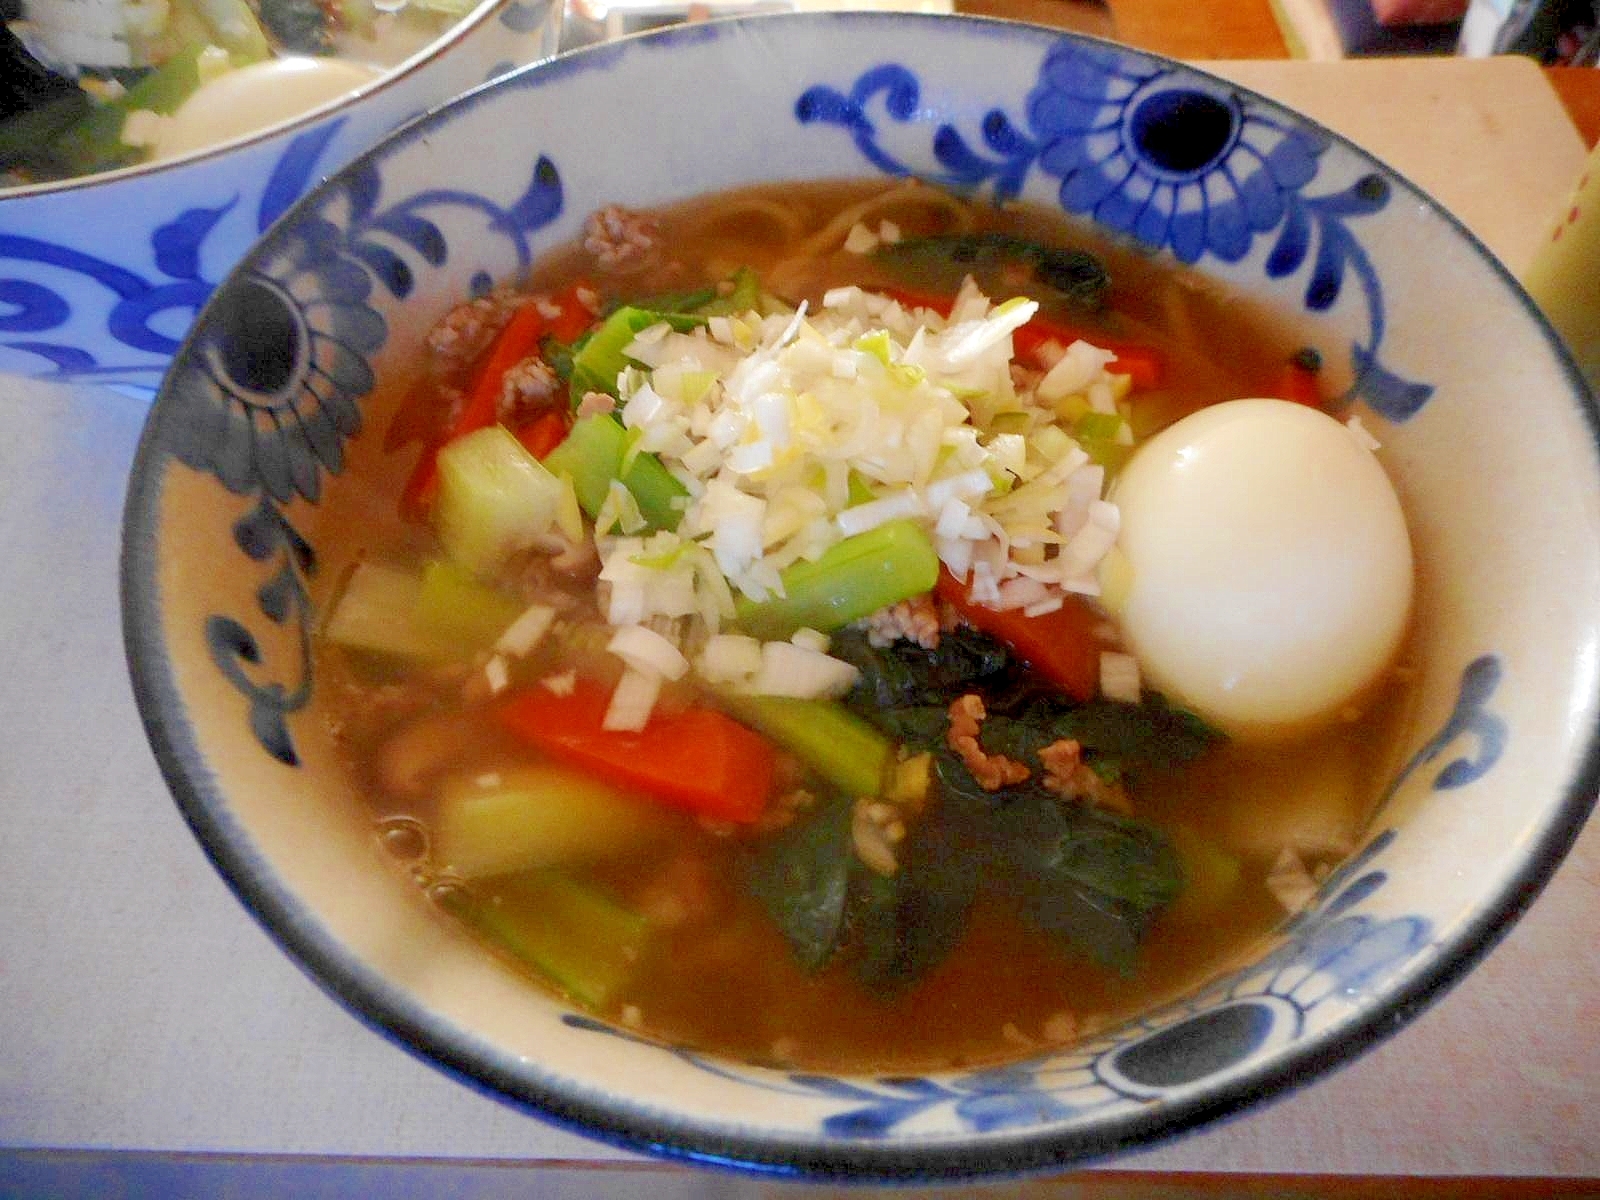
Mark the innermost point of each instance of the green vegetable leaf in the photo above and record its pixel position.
(802, 878)
(299, 25)
(1087, 876)
(744, 296)
(1077, 278)
(1150, 735)
(902, 926)
(1087, 847)
(904, 674)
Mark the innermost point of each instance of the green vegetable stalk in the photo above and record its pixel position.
(827, 737)
(853, 579)
(592, 455)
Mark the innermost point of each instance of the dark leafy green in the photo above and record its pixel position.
(299, 25)
(1078, 278)
(906, 690)
(1080, 873)
(903, 674)
(743, 295)
(1088, 876)
(668, 302)
(802, 878)
(1124, 738)
(902, 926)
(826, 902)
(28, 138)
(558, 355)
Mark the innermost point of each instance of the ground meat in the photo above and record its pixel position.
(467, 329)
(1024, 379)
(595, 404)
(553, 571)
(1066, 774)
(914, 620)
(783, 810)
(682, 890)
(992, 771)
(876, 830)
(576, 560)
(530, 387)
(621, 240)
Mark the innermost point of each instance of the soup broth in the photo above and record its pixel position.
(668, 923)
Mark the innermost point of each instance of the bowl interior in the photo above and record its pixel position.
(263, 462)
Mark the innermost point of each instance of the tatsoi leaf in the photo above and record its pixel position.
(903, 926)
(802, 878)
(744, 296)
(1088, 847)
(1092, 878)
(905, 674)
(300, 25)
(1079, 278)
(1150, 735)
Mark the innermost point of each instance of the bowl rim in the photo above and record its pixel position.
(435, 1040)
(391, 76)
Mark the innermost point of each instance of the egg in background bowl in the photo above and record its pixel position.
(242, 516)
(104, 274)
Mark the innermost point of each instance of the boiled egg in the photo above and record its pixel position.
(1268, 569)
(253, 97)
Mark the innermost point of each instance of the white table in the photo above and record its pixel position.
(141, 1009)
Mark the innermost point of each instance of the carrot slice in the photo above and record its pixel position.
(543, 434)
(1298, 384)
(1060, 645)
(1142, 364)
(699, 760)
(563, 318)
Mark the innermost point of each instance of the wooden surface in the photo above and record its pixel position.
(1200, 28)
(1579, 89)
(1232, 29)
(1498, 114)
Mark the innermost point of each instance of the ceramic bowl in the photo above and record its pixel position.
(102, 276)
(263, 457)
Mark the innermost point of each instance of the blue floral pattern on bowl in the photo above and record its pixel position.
(1326, 954)
(270, 393)
(271, 389)
(1164, 156)
(99, 282)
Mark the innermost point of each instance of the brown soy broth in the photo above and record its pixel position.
(725, 981)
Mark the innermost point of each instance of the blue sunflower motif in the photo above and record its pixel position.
(270, 393)
(1162, 155)
(1168, 159)
(1328, 954)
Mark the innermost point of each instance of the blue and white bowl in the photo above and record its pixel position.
(263, 452)
(101, 277)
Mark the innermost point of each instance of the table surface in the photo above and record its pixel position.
(1232, 29)
(142, 1009)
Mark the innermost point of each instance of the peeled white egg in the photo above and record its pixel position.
(253, 97)
(1270, 571)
